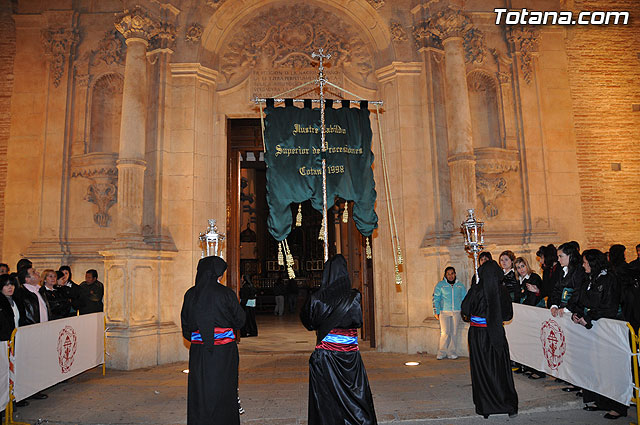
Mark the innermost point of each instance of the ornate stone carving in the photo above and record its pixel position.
(111, 49)
(474, 47)
(524, 41)
(103, 196)
(136, 23)
(83, 80)
(194, 33)
(287, 42)
(397, 32)
(489, 190)
(377, 4)
(449, 23)
(215, 4)
(101, 171)
(424, 37)
(165, 37)
(503, 77)
(478, 81)
(58, 43)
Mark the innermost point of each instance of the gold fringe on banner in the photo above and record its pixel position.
(299, 216)
(321, 235)
(345, 213)
(398, 276)
(400, 260)
(280, 256)
(368, 249)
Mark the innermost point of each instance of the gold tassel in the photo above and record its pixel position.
(321, 235)
(345, 213)
(299, 216)
(368, 249)
(290, 262)
(400, 261)
(398, 276)
(280, 256)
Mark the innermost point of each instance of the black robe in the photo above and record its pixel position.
(566, 287)
(213, 369)
(339, 390)
(249, 292)
(491, 376)
(531, 298)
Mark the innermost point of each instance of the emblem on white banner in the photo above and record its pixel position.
(67, 344)
(553, 343)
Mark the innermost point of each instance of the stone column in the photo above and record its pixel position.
(137, 28)
(450, 26)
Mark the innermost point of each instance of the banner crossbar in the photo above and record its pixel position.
(295, 100)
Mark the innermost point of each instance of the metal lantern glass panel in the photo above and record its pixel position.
(473, 237)
(211, 240)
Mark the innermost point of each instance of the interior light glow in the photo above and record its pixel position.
(185, 371)
(412, 363)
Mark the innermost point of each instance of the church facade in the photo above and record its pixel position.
(116, 141)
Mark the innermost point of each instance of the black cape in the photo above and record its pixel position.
(213, 369)
(248, 292)
(491, 376)
(339, 390)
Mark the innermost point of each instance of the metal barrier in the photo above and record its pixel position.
(635, 348)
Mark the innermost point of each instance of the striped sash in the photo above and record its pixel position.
(340, 340)
(478, 322)
(222, 336)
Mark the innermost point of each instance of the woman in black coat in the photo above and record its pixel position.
(571, 280)
(509, 279)
(599, 297)
(11, 309)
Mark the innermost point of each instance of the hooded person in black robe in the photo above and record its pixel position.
(486, 306)
(339, 390)
(211, 316)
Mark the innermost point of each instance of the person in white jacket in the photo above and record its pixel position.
(447, 297)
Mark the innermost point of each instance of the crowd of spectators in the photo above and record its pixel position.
(587, 286)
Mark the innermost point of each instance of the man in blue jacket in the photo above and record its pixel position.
(447, 297)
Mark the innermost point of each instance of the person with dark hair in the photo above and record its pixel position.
(211, 316)
(509, 279)
(70, 289)
(598, 297)
(571, 280)
(11, 308)
(636, 262)
(4, 268)
(91, 293)
(447, 298)
(339, 390)
(483, 257)
(59, 305)
(486, 306)
(23, 263)
(551, 270)
(35, 306)
(248, 294)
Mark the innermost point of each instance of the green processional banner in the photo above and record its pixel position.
(294, 163)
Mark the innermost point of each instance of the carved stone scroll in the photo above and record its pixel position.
(57, 43)
(111, 49)
(194, 33)
(525, 41)
(397, 32)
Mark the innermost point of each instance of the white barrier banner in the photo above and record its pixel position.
(50, 352)
(598, 359)
(4, 375)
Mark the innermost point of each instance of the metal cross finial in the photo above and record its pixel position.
(321, 56)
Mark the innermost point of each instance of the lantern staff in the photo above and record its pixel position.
(473, 238)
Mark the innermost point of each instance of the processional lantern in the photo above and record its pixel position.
(473, 238)
(211, 240)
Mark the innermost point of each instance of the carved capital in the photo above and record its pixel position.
(397, 32)
(100, 170)
(503, 77)
(524, 40)
(136, 23)
(449, 23)
(165, 37)
(57, 43)
(111, 49)
(424, 36)
(103, 195)
(193, 34)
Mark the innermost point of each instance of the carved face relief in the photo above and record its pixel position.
(287, 39)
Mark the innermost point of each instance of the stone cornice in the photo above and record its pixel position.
(398, 68)
(194, 70)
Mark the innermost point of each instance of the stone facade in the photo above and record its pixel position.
(117, 152)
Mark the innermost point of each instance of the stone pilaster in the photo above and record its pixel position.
(450, 26)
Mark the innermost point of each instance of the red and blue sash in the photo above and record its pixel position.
(478, 322)
(340, 340)
(222, 336)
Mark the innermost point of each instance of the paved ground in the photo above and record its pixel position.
(273, 387)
